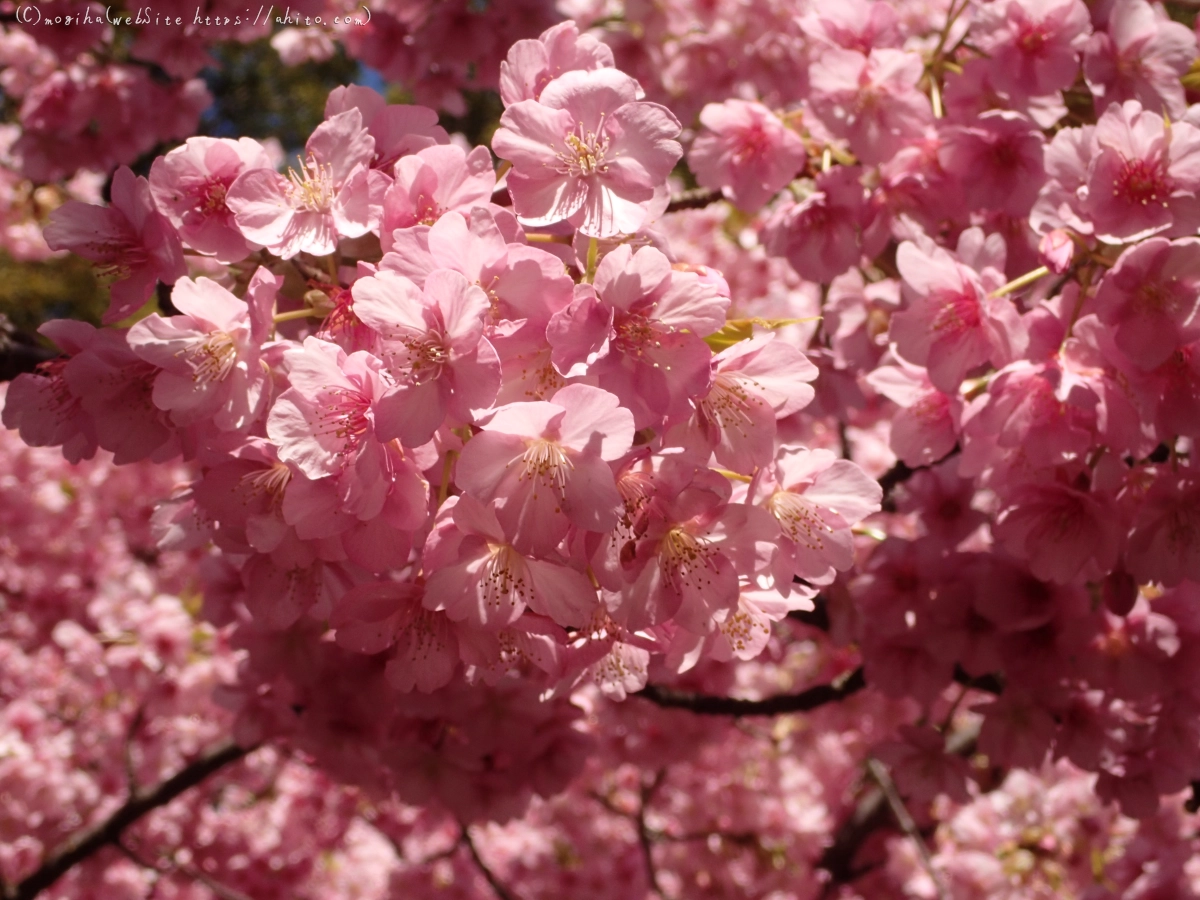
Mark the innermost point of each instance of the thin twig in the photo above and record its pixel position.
(644, 837)
(497, 885)
(708, 705)
(904, 819)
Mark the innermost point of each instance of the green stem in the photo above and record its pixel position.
(1017, 283)
(305, 313)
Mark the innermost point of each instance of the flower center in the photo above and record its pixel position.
(344, 414)
(728, 405)
(585, 152)
(270, 483)
(547, 462)
(1142, 181)
(686, 559)
(799, 520)
(213, 358)
(312, 187)
(959, 313)
(424, 358)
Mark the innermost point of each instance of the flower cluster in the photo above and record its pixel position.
(480, 449)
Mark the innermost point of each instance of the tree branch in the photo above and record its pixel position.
(694, 199)
(707, 705)
(496, 884)
(84, 844)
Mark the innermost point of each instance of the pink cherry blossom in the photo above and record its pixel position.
(1140, 56)
(397, 129)
(816, 499)
(190, 184)
(532, 64)
(209, 356)
(828, 231)
(432, 182)
(1151, 299)
(476, 575)
(639, 330)
(334, 194)
(432, 346)
(1143, 177)
(130, 239)
(1033, 47)
(587, 152)
(745, 152)
(870, 99)
(950, 325)
(545, 465)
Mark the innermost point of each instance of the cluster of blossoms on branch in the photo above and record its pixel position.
(107, 678)
(478, 444)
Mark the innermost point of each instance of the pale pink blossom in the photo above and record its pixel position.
(334, 194)
(816, 498)
(587, 152)
(432, 346)
(398, 129)
(545, 465)
(532, 64)
(432, 182)
(745, 152)
(190, 184)
(210, 355)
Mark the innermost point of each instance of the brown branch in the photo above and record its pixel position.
(900, 473)
(694, 199)
(86, 843)
(496, 884)
(708, 705)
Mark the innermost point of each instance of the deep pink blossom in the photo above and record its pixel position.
(1140, 56)
(639, 329)
(1033, 46)
(951, 325)
(1151, 299)
(828, 231)
(754, 382)
(1142, 177)
(587, 152)
(997, 159)
(129, 239)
